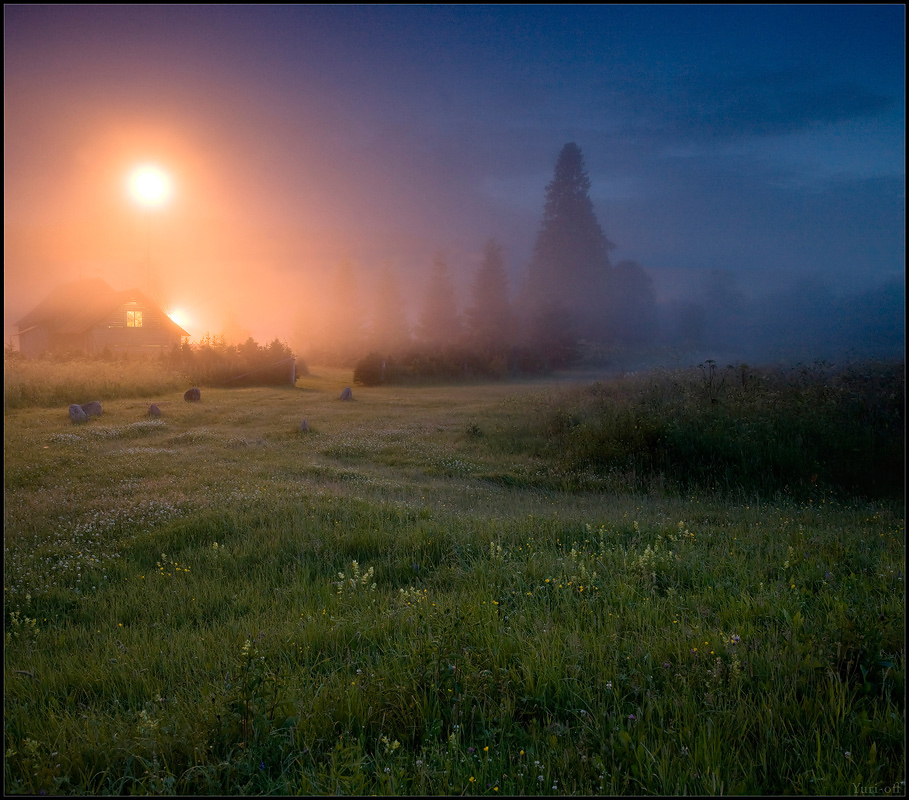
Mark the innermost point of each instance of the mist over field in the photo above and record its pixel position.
(751, 195)
(454, 400)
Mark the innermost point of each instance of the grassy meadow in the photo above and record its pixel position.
(685, 582)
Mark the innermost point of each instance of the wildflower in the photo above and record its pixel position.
(631, 717)
(848, 754)
(735, 639)
(609, 685)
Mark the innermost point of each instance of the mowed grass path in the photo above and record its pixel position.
(413, 598)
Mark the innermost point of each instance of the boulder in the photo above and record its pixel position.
(193, 395)
(76, 414)
(154, 411)
(92, 409)
(347, 394)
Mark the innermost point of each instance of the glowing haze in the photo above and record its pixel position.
(763, 142)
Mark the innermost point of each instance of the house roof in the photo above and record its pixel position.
(76, 307)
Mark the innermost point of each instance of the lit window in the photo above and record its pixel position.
(133, 319)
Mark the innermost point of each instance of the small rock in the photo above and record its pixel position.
(347, 394)
(92, 409)
(193, 395)
(76, 414)
(154, 411)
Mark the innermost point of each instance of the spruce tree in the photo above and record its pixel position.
(439, 324)
(570, 274)
(390, 330)
(489, 318)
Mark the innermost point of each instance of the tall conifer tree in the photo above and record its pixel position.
(439, 325)
(390, 330)
(570, 274)
(489, 317)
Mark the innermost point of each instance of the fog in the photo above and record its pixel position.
(315, 148)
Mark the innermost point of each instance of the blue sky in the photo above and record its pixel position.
(766, 141)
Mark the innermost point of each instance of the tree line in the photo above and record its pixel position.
(572, 296)
(214, 362)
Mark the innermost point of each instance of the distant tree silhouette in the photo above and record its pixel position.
(439, 325)
(552, 336)
(490, 324)
(390, 332)
(570, 272)
(344, 339)
(633, 315)
(212, 362)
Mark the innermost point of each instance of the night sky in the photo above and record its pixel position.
(767, 142)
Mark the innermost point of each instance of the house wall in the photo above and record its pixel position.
(33, 342)
(70, 342)
(156, 334)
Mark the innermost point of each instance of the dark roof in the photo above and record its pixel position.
(78, 306)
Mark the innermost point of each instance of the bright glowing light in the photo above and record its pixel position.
(149, 185)
(179, 316)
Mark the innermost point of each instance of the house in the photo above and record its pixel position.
(89, 316)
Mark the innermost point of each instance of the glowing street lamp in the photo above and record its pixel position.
(149, 185)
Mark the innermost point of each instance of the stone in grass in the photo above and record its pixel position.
(347, 394)
(76, 414)
(154, 411)
(304, 427)
(92, 409)
(192, 395)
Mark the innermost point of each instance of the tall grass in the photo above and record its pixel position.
(403, 600)
(765, 432)
(42, 383)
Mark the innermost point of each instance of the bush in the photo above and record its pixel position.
(214, 363)
(370, 370)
